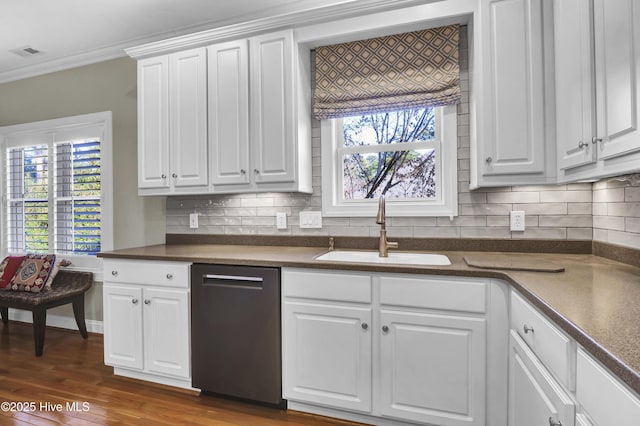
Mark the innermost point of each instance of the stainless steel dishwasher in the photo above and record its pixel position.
(235, 331)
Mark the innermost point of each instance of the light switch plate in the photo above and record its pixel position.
(310, 219)
(193, 220)
(281, 220)
(516, 221)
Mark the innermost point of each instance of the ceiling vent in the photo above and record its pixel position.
(25, 51)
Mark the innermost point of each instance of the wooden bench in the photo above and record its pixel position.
(67, 287)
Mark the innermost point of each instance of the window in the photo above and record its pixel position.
(58, 181)
(408, 155)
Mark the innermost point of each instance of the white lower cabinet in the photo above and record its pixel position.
(146, 320)
(535, 397)
(354, 348)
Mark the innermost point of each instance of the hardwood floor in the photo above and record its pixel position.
(71, 370)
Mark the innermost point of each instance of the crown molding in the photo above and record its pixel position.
(348, 9)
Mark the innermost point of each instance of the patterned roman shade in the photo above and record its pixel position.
(401, 71)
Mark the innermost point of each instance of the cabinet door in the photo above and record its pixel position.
(327, 355)
(432, 368)
(575, 90)
(514, 140)
(534, 395)
(123, 326)
(272, 107)
(166, 332)
(229, 112)
(153, 123)
(188, 118)
(617, 61)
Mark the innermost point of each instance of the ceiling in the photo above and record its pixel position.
(71, 33)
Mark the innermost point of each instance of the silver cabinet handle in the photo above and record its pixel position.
(595, 140)
(256, 171)
(134, 301)
(554, 422)
(528, 329)
(147, 301)
(114, 273)
(385, 329)
(582, 145)
(243, 171)
(365, 326)
(163, 176)
(169, 276)
(488, 160)
(174, 175)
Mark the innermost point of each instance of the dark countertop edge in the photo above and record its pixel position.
(625, 373)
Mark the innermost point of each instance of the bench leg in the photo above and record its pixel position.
(78, 313)
(39, 327)
(5, 315)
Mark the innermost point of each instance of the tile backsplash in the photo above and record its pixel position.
(605, 211)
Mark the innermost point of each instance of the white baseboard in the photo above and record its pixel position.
(59, 321)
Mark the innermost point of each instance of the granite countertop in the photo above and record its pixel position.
(595, 300)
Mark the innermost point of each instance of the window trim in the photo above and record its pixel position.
(446, 205)
(24, 135)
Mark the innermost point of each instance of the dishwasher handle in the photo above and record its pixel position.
(215, 280)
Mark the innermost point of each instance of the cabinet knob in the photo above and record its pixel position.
(174, 175)
(114, 273)
(385, 329)
(147, 301)
(582, 145)
(365, 326)
(554, 422)
(528, 329)
(595, 140)
(163, 176)
(169, 276)
(243, 171)
(488, 160)
(134, 301)
(256, 171)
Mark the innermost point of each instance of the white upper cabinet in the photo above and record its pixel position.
(172, 123)
(597, 53)
(575, 92)
(514, 132)
(229, 112)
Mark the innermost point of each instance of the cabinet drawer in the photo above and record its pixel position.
(467, 295)
(157, 273)
(338, 286)
(547, 341)
(603, 397)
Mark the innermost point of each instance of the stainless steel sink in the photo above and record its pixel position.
(403, 258)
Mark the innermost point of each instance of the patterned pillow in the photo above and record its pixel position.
(8, 269)
(54, 271)
(32, 273)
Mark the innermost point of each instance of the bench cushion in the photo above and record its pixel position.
(33, 273)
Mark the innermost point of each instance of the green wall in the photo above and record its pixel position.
(105, 86)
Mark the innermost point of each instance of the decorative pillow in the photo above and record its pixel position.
(56, 267)
(8, 269)
(32, 273)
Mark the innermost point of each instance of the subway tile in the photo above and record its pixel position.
(615, 195)
(623, 209)
(485, 232)
(245, 211)
(259, 221)
(220, 221)
(626, 239)
(513, 197)
(565, 197)
(256, 202)
(600, 209)
(436, 232)
(498, 221)
(413, 221)
(485, 209)
(239, 230)
(632, 224)
(583, 186)
(472, 198)
(349, 231)
(272, 211)
(574, 221)
(474, 221)
(579, 208)
(542, 209)
(632, 194)
(394, 232)
(615, 223)
(362, 221)
(579, 233)
(541, 233)
(539, 188)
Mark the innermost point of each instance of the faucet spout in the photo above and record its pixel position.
(381, 219)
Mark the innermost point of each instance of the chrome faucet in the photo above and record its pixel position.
(381, 219)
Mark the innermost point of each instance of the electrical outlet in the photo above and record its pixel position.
(281, 220)
(193, 220)
(516, 222)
